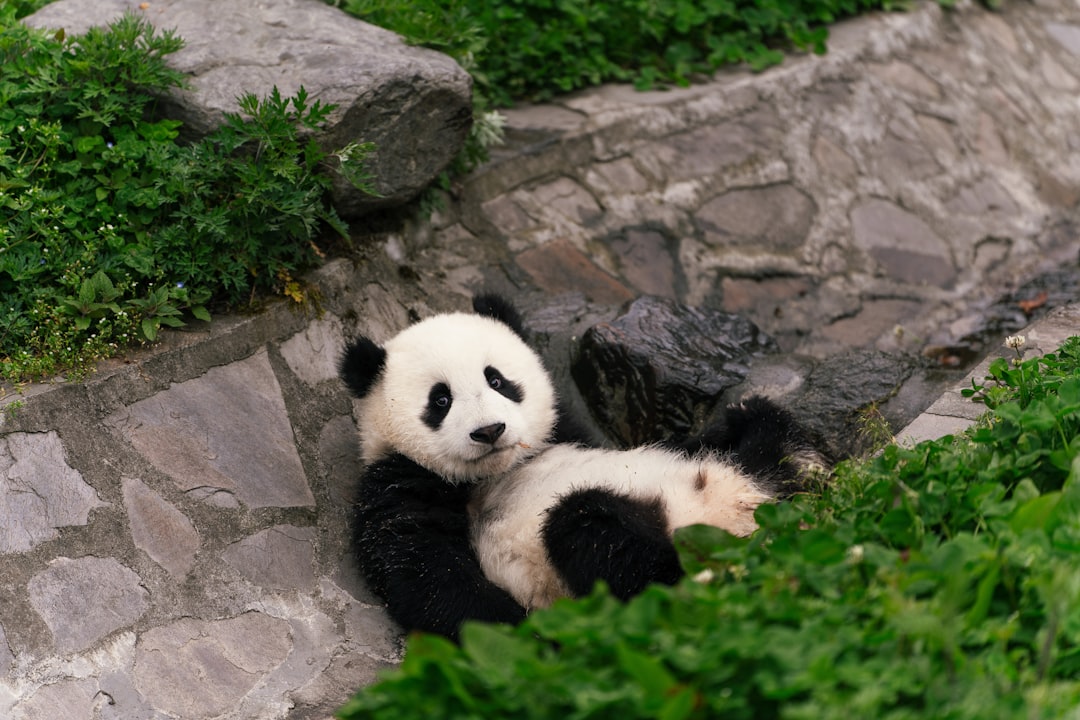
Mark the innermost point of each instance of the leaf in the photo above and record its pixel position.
(649, 673)
(1034, 514)
(200, 313)
(698, 544)
(86, 292)
(149, 328)
(821, 548)
(495, 650)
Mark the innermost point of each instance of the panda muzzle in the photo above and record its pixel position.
(488, 434)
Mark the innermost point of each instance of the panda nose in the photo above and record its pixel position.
(489, 433)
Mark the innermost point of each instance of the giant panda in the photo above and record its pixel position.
(481, 501)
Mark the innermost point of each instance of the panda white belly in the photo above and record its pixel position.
(508, 513)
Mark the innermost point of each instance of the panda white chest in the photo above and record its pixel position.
(509, 512)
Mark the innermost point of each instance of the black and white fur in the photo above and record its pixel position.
(472, 507)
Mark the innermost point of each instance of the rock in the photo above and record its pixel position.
(278, 558)
(905, 247)
(83, 600)
(159, 529)
(839, 388)
(656, 370)
(414, 104)
(224, 437)
(39, 491)
(555, 325)
(201, 669)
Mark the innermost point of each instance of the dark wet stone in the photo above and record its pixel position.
(656, 370)
(842, 387)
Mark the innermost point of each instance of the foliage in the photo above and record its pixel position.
(12, 10)
(531, 49)
(111, 228)
(935, 581)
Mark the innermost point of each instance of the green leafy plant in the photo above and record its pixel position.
(12, 10)
(532, 49)
(934, 581)
(111, 228)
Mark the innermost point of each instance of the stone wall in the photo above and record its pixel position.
(173, 531)
(923, 165)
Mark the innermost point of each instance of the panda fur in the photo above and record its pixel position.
(474, 504)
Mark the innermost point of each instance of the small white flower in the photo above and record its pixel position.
(704, 576)
(855, 553)
(1015, 341)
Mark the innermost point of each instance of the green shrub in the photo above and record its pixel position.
(932, 582)
(532, 49)
(111, 228)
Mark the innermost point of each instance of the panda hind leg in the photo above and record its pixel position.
(769, 443)
(594, 534)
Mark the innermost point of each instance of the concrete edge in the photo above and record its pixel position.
(952, 413)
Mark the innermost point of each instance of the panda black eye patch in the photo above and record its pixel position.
(438, 405)
(507, 388)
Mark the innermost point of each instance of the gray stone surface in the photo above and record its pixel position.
(6, 657)
(904, 246)
(84, 599)
(39, 491)
(413, 103)
(175, 528)
(776, 216)
(278, 558)
(224, 435)
(159, 529)
(193, 669)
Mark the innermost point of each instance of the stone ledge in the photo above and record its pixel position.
(953, 413)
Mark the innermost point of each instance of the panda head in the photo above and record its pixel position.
(460, 394)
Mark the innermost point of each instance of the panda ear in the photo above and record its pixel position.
(499, 308)
(360, 365)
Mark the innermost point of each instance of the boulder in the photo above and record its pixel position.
(656, 370)
(414, 104)
(842, 399)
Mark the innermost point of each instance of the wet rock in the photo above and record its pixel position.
(988, 323)
(555, 326)
(414, 104)
(839, 388)
(656, 370)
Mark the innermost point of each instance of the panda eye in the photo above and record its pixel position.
(507, 388)
(438, 405)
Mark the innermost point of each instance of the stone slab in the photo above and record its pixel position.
(159, 529)
(39, 491)
(204, 669)
(84, 599)
(278, 558)
(226, 432)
